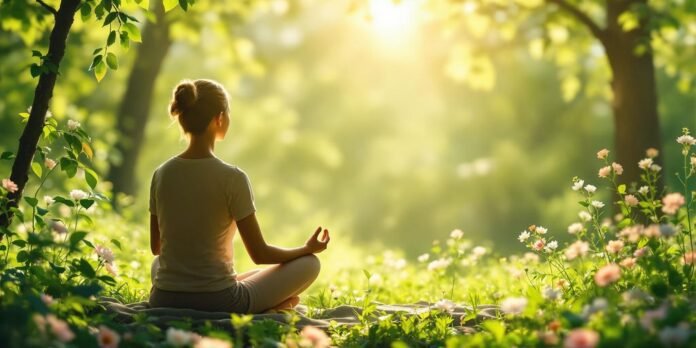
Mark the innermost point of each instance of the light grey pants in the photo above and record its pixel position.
(255, 291)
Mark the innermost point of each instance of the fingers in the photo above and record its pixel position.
(316, 233)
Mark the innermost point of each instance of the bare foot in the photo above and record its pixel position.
(288, 304)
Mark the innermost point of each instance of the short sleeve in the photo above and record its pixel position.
(241, 197)
(153, 196)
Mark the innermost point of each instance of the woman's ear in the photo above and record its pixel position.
(219, 119)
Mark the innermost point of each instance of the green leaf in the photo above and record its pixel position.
(170, 4)
(621, 189)
(7, 155)
(36, 168)
(20, 243)
(31, 201)
(183, 4)
(100, 71)
(22, 256)
(86, 203)
(86, 269)
(112, 38)
(77, 237)
(95, 61)
(63, 200)
(69, 166)
(112, 61)
(85, 11)
(116, 243)
(35, 53)
(125, 41)
(110, 18)
(496, 328)
(133, 31)
(35, 70)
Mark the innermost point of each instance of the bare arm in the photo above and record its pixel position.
(154, 235)
(263, 253)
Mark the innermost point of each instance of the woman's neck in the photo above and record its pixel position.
(200, 146)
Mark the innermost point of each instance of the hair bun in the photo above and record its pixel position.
(185, 95)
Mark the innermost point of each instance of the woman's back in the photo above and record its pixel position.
(196, 202)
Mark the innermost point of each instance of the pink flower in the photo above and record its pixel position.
(316, 337)
(209, 342)
(607, 275)
(104, 253)
(618, 169)
(539, 244)
(604, 172)
(107, 338)
(652, 231)
(111, 268)
(49, 163)
(689, 258)
(9, 185)
(628, 262)
(40, 322)
(672, 202)
(577, 249)
(614, 246)
(47, 299)
(631, 200)
(60, 328)
(581, 338)
(640, 252)
(602, 154)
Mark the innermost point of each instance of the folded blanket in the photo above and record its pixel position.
(344, 315)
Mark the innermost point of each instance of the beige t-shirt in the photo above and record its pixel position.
(197, 202)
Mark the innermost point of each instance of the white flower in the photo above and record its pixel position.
(439, 264)
(686, 140)
(48, 200)
(104, 253)
(597, 204)
(643, 190)
(550, 293)
(602, 154)
(58, 226)
(553, 245)
(524, 236)
(591, 188)
(78, 195)
(575, 228)
(645, 163)
(655, 168)
(73, 125)
(49, 163)
(456, 234)
(513, 305)
(445, 305)
(179, 338)
(423, 257)
(584, 216)
(578, 185)
(541, 230)
(479, 251)
(376, 280)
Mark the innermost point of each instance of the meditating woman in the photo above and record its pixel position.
(197, 203)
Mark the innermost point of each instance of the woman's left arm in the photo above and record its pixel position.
(154, 235)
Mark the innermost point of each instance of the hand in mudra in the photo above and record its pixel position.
(316, 245)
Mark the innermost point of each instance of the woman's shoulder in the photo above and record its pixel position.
(232, 169)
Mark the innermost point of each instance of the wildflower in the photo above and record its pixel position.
(602, 154)
(584, 216)
(618, 169)
(652, 152)
(179, 338)
(541, 230)
(554, 325)
(604, 172)
(9, 185)
(644, 190)
(597, 204)
(58, 226)
(111, 268)
(47, 299)
(628, 262)
(60, 328)
(107, 338)
(655, 168)
(445, 305)
(599, 304)
(550, 293)
(607, 275)
(39, 321)
(631, 200)
(649, 317)
(652, 231)
(524, 236)
(675, 336)
(575, 228)
(672, 202)
(581, 338)
(376, 280)
(49, 163)
(614, 246)
(530, 257)
(478, 251)
(209, 342)
(577, 249)
(48, 200)
(578, 185)
(640, 252)
(439, 264)
(104, 253)
(667, 230)
(73, 125)
(456, 234)
(553, 245)
(693, 161)
(562, 283)
(539, 244)
(78, 195)
(635, 295)
(590, 188)
(548, 337)
(645, 163)
(513, 305)
(689, 257)
(423, 257)
(686, 140)
(316, 337)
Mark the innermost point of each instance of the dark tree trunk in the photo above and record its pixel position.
(636, 118)
(134, 110)
(42, 96)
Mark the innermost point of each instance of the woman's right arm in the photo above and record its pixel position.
(263, 253)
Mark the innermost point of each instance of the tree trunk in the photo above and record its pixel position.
(636, 119)
(42, 96)
(134, 110)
